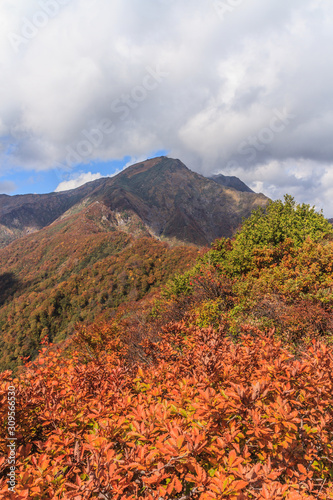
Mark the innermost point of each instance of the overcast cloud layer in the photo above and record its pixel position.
(242, 87)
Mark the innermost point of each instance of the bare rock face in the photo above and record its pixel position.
(162, 194)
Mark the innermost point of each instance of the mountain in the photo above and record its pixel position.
(79, 255)
(231, 181)
(171, 201)
(25, 214)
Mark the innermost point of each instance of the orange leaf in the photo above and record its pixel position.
(302, 469)
(178, 485)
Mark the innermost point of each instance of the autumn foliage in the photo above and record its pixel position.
(206, 419)
(75, 275)
(229, 395)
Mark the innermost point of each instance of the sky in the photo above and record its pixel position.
(241, 87)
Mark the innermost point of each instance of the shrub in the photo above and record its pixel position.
(206, 419)
(270, 227)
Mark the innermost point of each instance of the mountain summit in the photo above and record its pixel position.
(162, 194)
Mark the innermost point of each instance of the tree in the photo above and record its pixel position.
(269, 227)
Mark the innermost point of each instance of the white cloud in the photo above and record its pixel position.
(134, 160)
(306, 180)
(77, 181)
(7, 187)
(169, 75)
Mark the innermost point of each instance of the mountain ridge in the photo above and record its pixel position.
(167, 196)
(231, 181)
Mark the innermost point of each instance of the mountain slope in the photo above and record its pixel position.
(170, 199)
(78, 269)
(25, 214)
(178, 203)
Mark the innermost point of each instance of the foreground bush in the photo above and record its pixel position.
(204, 419)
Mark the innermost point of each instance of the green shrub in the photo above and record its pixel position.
(278, 222)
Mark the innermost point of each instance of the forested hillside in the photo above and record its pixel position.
(77, 270)
(219, 386)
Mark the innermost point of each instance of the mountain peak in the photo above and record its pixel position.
(160, 162)
(170, 200)
(142, 166)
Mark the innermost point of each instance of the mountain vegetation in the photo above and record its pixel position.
(79, 269)
(217, 385)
